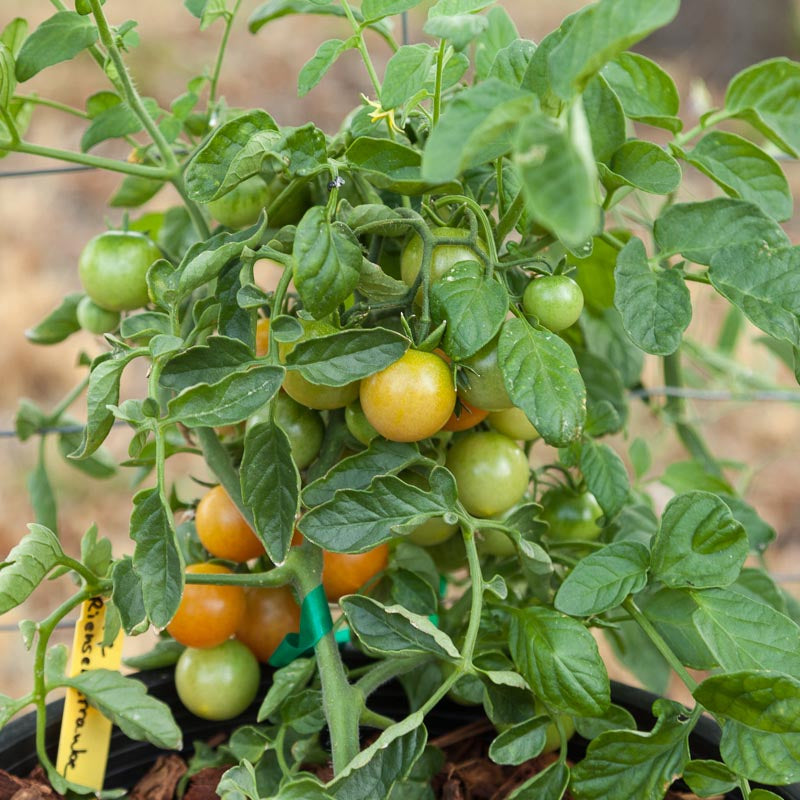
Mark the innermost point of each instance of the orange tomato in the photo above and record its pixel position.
(262, 337)
(464, 417)
(270, 614)
(207, 615)
(346, 573)
(223, 531)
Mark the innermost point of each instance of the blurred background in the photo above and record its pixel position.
(47, 219)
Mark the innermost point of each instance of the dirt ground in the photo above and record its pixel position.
(46, 220)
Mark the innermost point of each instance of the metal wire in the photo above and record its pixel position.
(29, 173)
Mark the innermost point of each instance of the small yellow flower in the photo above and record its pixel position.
(381, 113)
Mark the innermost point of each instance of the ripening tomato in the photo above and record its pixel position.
(513, 422)
(207, 614)
(410, 399)
(464, 417)
(434, 530)
(223, 531)
(443, 257)
(346, 573)
(241, 206)
(491, 472)
(262, 337)
(217, 682)
(271, 613)
(493, 542)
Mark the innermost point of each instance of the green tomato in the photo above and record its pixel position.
(93, 318)
(513, 423)
(444, 256)
(491, 472)
(485, 387)
(553, 740)
(302, 425)
(241, 206)
(217, 682)
(555, 300)
(433, 531)
(572, 516)
(113, 269)
(314, 395)
(492, 542)
(358, 424)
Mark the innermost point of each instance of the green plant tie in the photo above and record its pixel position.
(315, 622)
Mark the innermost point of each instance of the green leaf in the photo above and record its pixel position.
(742, 169)
(304, 148)
(477, 127)
(556, 163)
(356, 520)
(459, 29)
(43, 498)
(644, 166)
(698, 230)
(347, 356)
(234, 153)
(406, 71)
(127, 596)
(157, 559)
(686, 476)
(603, 579)
(103, 392)
(671, 612)
(614, 718)
(473, 307)
(373, 772)
(14, 34)
(760, 756)
(761, 281)
(228, 401)
(599, 33)
(549, 784)
(542, 378)
(511, 63)
(377, 9)
(114, 122)
(135, 191)
(26, 565)
(759, 532)
(314, 69)
(327, 262)
(520, 742)
(604, 393)
(58, 324)
(559, 659)
(647, 93)
(8, 81)
(605, 475)
(656, 307)
(707, 778)
(286, 681)
(393, 631)
(767, 95)
(127, 704)
(733, 625)
(499, 34)
(271, 487)
(604, 117)
(620, 765)
(59, 38)
(766, 701)
(699, 544)
(100, 464)
(449, 8)
(357, 471)
(389, 165)
(217, 358)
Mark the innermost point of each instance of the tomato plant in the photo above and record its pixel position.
(364, 363)
(113, 269)
(270, 614)
(410, 399)
(207, 614)
(217, 682)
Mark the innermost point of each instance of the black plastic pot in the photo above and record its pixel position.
(129, 760)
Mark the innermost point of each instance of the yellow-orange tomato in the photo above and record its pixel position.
(271, 613)
(410, 399)
(262, 337)
(345, 573)
(223, 531)
(207, 615)
(464, 418)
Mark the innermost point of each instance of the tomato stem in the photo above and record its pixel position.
(223, 45)
(437, 88)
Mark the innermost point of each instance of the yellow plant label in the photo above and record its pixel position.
(85, 732)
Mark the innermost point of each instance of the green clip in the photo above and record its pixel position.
(315, 622)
